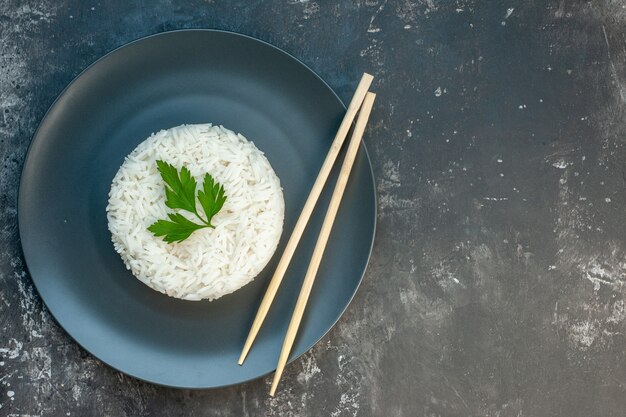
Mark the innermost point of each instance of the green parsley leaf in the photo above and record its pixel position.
(211, 197)
(180, 193)
(176, 230)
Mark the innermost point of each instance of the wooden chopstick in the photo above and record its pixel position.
(305, 215)
(320, 246)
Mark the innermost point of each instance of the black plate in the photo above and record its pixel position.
(190, 76)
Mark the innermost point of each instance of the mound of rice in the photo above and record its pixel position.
(211, 262)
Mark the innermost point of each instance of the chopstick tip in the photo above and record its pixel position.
(276, 380)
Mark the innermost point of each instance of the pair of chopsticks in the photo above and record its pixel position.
(364, 101)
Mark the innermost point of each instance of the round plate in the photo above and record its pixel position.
(164, 80)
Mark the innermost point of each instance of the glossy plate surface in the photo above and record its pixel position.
(191, 76)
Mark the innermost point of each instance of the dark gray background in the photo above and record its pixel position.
(497, 284)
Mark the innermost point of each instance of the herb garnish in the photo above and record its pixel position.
(180, 193)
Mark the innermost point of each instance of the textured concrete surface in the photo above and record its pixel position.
(497, 285)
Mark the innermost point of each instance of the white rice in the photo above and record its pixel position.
(211, 262)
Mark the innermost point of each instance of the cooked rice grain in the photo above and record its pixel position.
(211, 262)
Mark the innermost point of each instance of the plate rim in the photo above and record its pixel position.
(37, 137)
